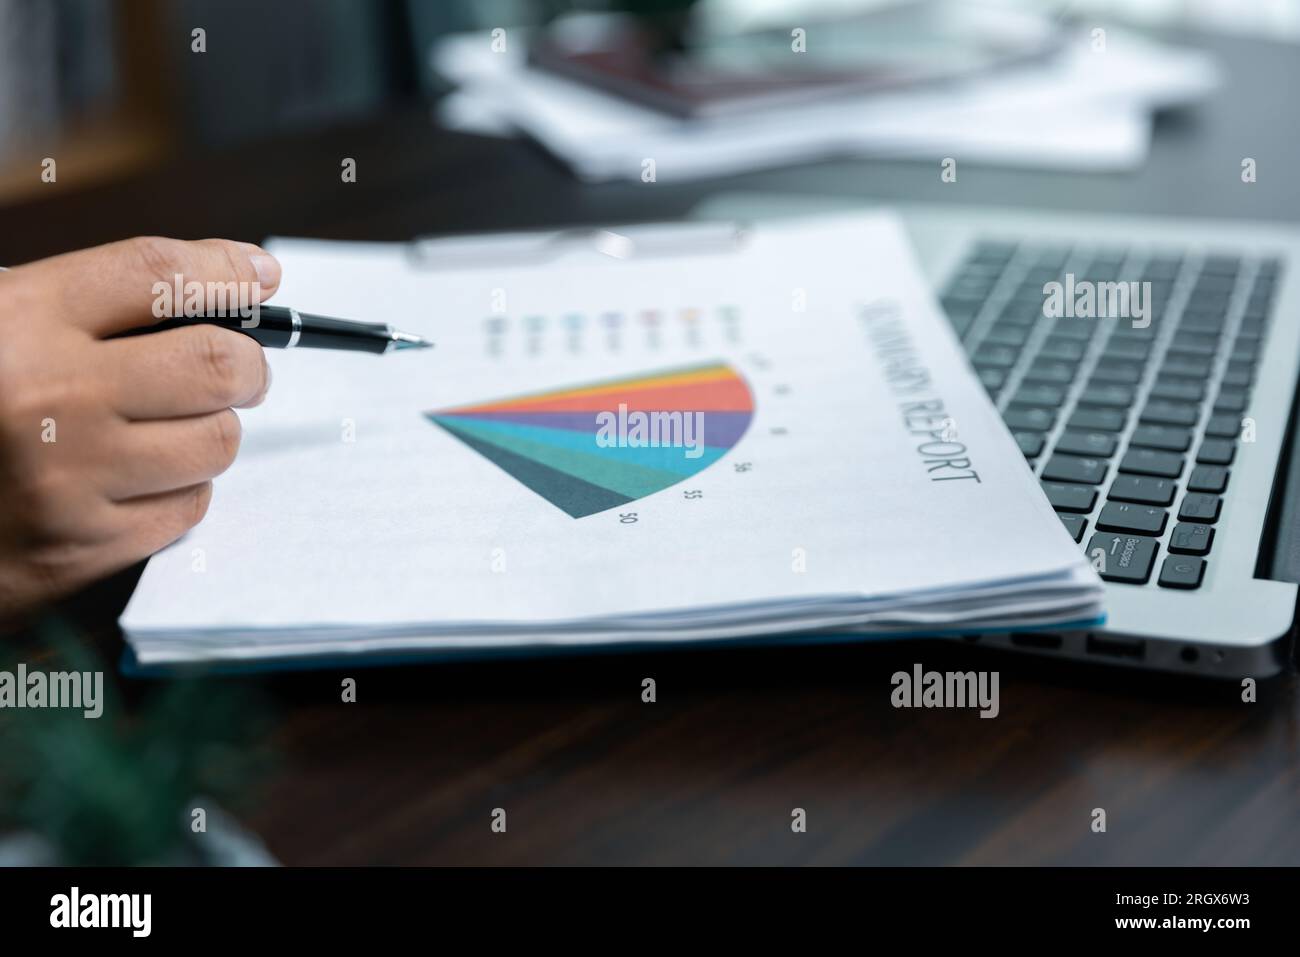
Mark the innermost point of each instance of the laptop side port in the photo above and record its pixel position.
(1111, 647)
(1043, 640)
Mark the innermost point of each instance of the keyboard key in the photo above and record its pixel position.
(1101, 444)
(1152, 462)
(1121, 350)
(1070, 498)
(1061, 347)
(1050, 372)
(1182, 571)
(1038, 275)
(1053, 255)
(1126, 373)
(1199, 507)
(1162, 412)
(1259, 307)
(1178, 390)
(1073, 468)
(1162, 267)
(1079, 331)
(1144, 489)
(1223, 426)
(1186, 367)
(1021, 315)
(992, 251)
(996, 357)
(1206, 323)
(1207, 300)
(1238, 376)
(1074, 524)
(1123, 517)
(1105, 420)
(1029, 420)
(1122, 558)
(1107, 394)
(1208, 478)
(1031, 443)
(1216, 452)
(1143, 334)
(1221, 265)
(1005, 335)
(1198, 349)
(1162, 437)
(970, 288)
(1191, 539)
(1039, 396)
(1245, 350)
(1232, 401)
(973, 267)
(1191, 337)
(1214, 284)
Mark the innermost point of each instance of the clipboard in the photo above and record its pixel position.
(633, 241)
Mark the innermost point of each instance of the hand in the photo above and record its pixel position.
(108, 447)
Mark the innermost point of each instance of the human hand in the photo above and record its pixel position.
(108, 447)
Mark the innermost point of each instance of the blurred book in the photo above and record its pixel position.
(712, 74)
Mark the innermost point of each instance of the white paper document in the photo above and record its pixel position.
(633, 436)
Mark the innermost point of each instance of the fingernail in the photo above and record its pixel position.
(267, 267)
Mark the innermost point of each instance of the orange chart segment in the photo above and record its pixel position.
(715, 382)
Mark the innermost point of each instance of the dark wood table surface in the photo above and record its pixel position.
(710, 773)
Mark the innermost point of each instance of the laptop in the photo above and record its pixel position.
(1147, 369)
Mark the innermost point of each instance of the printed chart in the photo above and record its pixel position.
(592, 447)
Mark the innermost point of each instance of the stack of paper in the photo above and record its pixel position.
(613, 442)
(1089, 108)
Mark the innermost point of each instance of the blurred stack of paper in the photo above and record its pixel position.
(1086, 107)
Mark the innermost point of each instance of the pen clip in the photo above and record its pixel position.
(636, 241)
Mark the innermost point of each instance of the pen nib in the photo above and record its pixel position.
(407, 340)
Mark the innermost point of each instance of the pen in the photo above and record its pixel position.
(279, 327)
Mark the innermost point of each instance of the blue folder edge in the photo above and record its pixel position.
(132, 668)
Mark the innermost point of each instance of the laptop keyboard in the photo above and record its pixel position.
(1132, 419)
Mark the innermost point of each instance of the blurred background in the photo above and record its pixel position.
(112, 86)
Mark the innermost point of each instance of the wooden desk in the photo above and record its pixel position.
(711, 772)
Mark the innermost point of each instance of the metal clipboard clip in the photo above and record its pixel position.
(638, 241)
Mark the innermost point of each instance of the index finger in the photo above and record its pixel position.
(139, 281)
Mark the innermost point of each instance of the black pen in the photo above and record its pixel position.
(279, 327)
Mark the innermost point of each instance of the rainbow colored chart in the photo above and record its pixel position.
(592, 447)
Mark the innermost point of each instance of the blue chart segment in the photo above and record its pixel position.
(592, 447)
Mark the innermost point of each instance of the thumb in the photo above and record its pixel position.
(123, 285)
